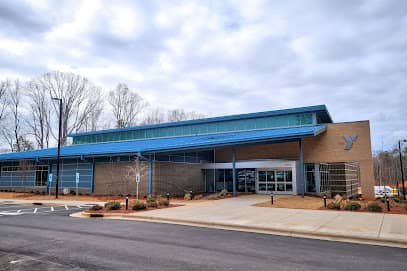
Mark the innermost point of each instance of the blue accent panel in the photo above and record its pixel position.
(93, 176)
(67, 174)
(302, 181)
(234, 171)
(172, 144)
(150, 175)
(321, 109)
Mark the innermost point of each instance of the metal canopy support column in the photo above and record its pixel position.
(234, 171)
(302, 181)
(150, 175)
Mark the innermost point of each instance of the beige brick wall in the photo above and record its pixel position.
(329, 147)
(175, 178)
(119, 178)
(326, 147)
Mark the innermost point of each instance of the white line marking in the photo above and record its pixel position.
(79, 206)
(35, 210)
(19, 211)
(52, 208)
(66, 207)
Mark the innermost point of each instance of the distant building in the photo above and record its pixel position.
(292, 151)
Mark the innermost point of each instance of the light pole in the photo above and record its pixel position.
(402, 169)
(59, 144)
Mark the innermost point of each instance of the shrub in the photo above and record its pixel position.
(139, 205)
(96, 207)
(334, 206)
(150, 199)
(113, 205)
(374, 207)
(188, 195)
(163, 202)
(152, 204)
(352, 206)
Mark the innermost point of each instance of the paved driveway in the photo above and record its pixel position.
(240, 212)
(8, 209)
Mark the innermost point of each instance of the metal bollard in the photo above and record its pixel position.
(388, 204)
(127, 203)
(168, 196)
(325, 201)
(272, 198)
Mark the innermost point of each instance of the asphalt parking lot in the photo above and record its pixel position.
(8, 209)
(49, 239)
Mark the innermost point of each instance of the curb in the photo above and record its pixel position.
(245, 228)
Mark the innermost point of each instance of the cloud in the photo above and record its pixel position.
(225, 57)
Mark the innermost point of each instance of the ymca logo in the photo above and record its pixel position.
(349, 139)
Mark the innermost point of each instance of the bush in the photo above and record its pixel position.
(374, 207)
(334, 206)
(163, 202)
(96, 207)
(152, 204)
(150, 199)
(352, 206)
(113, 205)
(139, 205)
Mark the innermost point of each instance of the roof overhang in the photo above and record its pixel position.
(171, 144)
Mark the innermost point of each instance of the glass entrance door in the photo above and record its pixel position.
(276, 181)
(265, 181)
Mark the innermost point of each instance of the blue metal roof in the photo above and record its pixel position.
(170, 143)
(321, 109)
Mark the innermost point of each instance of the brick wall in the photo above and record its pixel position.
(119, 178)
(329, 147)
(326, 147)
(175, 178)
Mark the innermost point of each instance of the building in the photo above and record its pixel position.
(291, 151)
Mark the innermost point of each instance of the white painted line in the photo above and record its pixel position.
(52, 208)
(19, 211)
(66, 207)
(79, 206)
(35, 210)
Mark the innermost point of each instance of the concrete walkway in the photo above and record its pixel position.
(239, 214)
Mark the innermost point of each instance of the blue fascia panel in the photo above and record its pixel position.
(169, 144)
(316, 108)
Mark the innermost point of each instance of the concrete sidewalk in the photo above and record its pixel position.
(239, 214)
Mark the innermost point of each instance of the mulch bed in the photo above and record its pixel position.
(394, 209)
(130, 210)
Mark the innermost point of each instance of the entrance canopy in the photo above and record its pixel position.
(146, 146)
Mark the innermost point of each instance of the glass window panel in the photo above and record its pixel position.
(280, 176)
(288, 187)
(288, 176)
(270, 176)
(262, 176)
(280, 187)
(271, 187)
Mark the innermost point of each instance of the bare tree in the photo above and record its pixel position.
(153, 116)
(126, 105)
(4, 86)
(80, 99)
(40, 111)
(12, 131)
(180, 114)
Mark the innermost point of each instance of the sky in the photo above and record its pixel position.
(224, 57)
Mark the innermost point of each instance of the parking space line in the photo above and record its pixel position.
(35, 210)
(66, 207)
(52, 208)
(19, 211)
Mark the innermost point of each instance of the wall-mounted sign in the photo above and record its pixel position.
(349, 139)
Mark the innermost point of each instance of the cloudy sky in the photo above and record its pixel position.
(224, 57)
